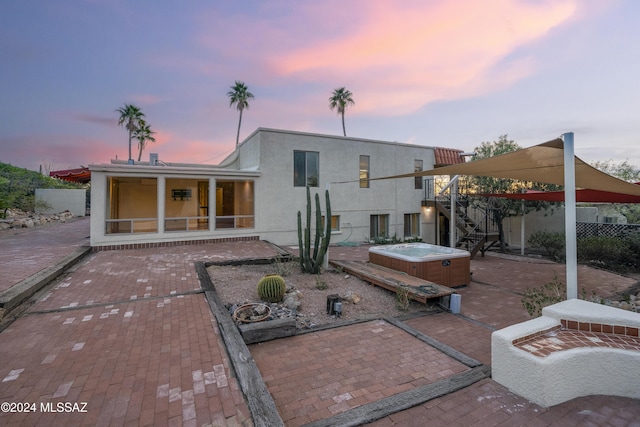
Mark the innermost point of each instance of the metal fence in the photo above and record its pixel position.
(593, 229)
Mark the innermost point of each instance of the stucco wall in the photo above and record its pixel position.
(266, 158)
(543, 221)
(278, 201)
(567, 374)
(60, 200)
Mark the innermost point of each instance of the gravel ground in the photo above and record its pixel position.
(236, 285)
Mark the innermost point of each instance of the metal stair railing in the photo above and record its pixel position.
(476, 225)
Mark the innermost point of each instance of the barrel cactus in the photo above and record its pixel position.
(271, 288)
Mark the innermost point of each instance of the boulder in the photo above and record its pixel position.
(292, 300)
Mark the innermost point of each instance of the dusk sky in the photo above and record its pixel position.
(444, 73)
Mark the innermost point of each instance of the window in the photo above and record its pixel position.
(417, 167)
(132, 205)
(379, 228)
(335, 223)
(234, 204)
(186, 205)
(306, 168)
(364, 171)
(412, 225)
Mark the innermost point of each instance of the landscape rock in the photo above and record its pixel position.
(16, 219)
(292, 300)
(351, 297)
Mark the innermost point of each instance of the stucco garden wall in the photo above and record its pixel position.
(60, 200)
(567, 374)
(543, 221)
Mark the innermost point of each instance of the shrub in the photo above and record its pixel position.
(282, 267)
(536, 299)
(402, 298)
(320, 284)
(633, 245)
(415, 239)
(551, 244)
(610, 253)
(384, 240)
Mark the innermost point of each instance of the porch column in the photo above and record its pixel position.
(212, 204)
(162, 184)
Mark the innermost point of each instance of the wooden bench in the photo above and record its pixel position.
(418, 289)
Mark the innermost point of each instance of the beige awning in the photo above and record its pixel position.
(541, 163)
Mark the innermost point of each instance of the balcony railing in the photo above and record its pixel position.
(131, 225)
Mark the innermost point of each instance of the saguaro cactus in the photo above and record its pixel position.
(311, 262)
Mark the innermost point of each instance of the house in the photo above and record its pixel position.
(256, 192)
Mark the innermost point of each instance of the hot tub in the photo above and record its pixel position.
(439, 264)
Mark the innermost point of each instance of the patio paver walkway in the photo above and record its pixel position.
(129, 333)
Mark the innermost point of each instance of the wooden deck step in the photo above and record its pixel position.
(419, 290)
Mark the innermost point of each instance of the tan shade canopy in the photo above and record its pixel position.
(541, 163)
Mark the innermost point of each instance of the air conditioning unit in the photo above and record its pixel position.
(153, 159)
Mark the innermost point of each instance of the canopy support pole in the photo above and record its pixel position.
(454, 214)
(522, 226)
(570, 216)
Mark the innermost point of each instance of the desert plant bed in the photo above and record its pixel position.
(237, 285)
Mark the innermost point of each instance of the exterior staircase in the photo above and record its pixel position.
(477, 231)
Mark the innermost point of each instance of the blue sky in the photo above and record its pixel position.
(437, 73)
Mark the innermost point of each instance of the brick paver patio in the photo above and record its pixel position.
(131, 334)
(24, 252)
(320, 374)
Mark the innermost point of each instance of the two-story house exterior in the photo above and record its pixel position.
(256, 192)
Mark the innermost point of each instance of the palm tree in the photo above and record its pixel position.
(143, 134)
(239, 95)
(340, 98)
(130, 117)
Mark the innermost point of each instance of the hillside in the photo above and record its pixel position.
(18, 185)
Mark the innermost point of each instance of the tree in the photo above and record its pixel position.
(18, 187)
(239, 95)
(143, 133)
(130, 117)
(339, 100)
(626, 172)
(501, 208)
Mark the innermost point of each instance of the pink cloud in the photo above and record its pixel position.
(59, 151)
(173, 149)
(399, 56)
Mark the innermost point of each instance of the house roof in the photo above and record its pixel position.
(447, 156)
(81, 175)
(540, 163)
